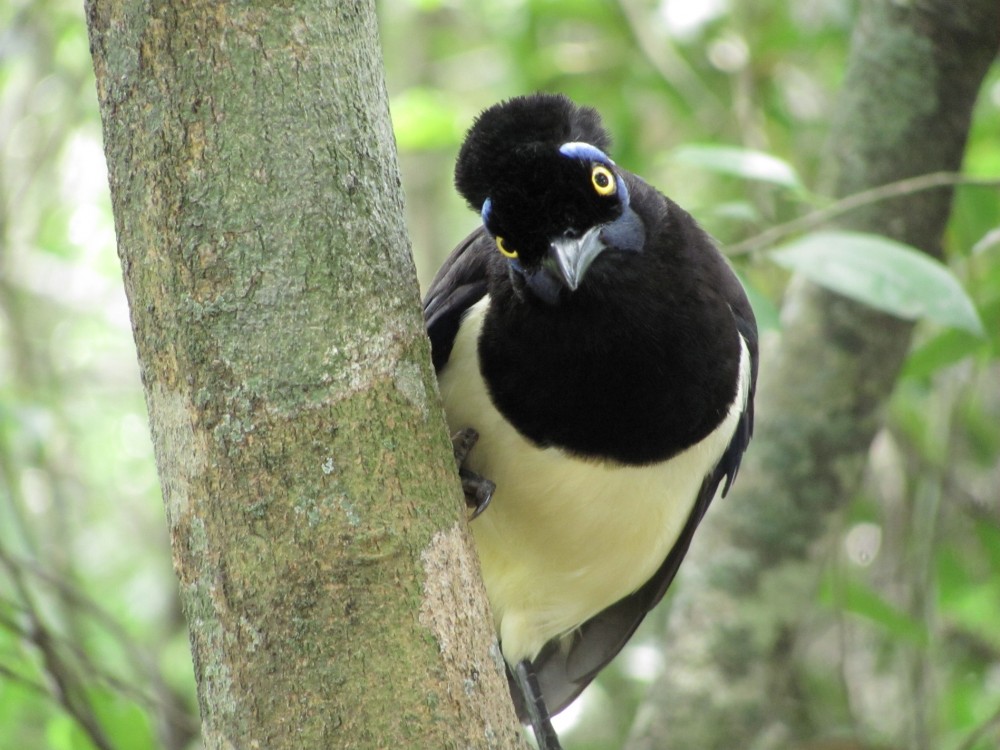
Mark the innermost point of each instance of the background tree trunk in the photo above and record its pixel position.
(732, 641)
(326, 577)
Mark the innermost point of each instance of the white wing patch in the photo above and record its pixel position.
(563, 537)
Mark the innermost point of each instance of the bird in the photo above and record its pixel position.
(597, 360)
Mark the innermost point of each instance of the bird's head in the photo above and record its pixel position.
(535, 167)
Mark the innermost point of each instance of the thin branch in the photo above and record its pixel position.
(79, 600)
(162, 699)
(897, 189)
(66, 686)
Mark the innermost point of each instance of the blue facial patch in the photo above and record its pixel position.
(485, 212)
(587, 152)
(627, 232)
(622, 190)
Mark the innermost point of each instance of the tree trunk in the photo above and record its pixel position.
(731, 680)
(316, 524)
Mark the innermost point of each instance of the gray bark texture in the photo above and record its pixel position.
(731, 676)
(316, 522)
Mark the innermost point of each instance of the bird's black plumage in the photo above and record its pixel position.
(610, 344)
(633, 348)
(514, 138)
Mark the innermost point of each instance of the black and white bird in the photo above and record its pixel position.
(605, 353)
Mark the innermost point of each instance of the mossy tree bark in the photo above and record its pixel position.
(731, 681)
(310, 490)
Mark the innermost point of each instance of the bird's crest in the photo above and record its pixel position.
(519, 128)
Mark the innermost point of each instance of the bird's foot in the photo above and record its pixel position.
(538, 713)
(462, 442)
(478, 490)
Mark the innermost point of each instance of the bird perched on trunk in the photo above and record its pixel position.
(597, 343)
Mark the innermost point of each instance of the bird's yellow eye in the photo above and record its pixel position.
(603, 181)
(506, 251)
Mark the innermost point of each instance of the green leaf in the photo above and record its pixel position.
(121, 719)
(740, 162)
(862, 600)
(887, 275)
(940, 351)
(62, 732)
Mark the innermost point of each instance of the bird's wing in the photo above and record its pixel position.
(458, 285)
(565, 669)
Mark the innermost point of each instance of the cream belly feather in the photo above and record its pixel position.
(563, 537)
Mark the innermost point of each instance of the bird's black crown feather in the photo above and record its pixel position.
(507, 132)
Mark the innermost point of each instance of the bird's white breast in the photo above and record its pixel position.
(565, 537)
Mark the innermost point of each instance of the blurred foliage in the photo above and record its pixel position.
(710, 100)
(92, 644)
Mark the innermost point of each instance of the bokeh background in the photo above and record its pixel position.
(93, 647)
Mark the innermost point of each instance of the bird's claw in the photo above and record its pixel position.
(478, 490)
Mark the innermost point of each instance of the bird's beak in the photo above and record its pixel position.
(569, 258)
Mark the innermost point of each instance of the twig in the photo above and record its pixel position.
(897, 189)
(66, 686)
(161, 700)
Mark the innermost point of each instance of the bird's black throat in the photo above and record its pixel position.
(628, 368)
